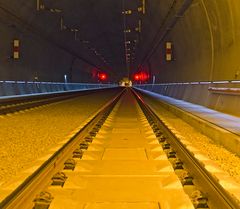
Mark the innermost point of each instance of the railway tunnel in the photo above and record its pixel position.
(119, 104)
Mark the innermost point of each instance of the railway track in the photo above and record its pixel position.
(123, 157)
(15, 104)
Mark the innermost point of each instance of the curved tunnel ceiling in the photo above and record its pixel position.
(103, 34)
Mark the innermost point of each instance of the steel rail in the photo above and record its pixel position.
(40, 178)
(209, 183)
(36, 101)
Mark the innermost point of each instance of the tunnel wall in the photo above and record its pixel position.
(38, 58)
(206, 48)
(13, 88)
(206, 44)
(220, 96)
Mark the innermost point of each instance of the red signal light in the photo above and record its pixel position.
(141, 76)
(102, 76)
(136, 77)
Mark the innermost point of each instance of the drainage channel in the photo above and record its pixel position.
(204, 190)
(20, 194)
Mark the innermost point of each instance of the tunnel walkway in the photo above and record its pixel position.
(214, 124)
(223, 120)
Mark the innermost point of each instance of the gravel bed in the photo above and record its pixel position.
(25, 136)
(228, 161)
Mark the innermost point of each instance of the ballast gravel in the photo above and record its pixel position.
(25, 136)
(226, 160)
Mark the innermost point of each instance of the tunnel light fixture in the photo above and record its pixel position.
(139, 27)
(74, 30)
(127, 31)
(235, 81)
(127, 12)
(65, 78)
(9, 81)
(219, 82)
(127, 42)
(41, 6)
(205, 82)
(142, 8)
(55, 10)
(194, 83)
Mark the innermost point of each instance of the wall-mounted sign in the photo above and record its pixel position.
(16, 49)
(169, 55)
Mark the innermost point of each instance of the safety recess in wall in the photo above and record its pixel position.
(16, 45)
(169, 52)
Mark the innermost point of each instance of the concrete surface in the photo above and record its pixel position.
(122, 169)
(222, 128)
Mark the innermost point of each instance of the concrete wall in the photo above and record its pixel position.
(206, 47)
(206, 42)
(39, 56)
(14, 88)
(223, 97)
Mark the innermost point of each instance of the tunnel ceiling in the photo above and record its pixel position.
(101, 33)
(91, 30)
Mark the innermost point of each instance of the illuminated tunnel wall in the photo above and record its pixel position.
(206, 43)
(206, 47)
(37, 58)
